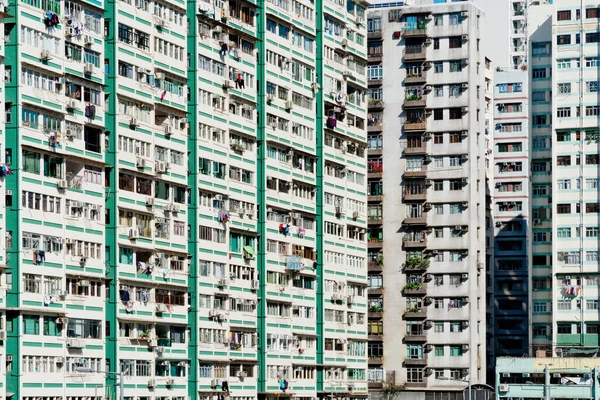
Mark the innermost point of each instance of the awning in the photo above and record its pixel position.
(249, 250)
(575, 380)
(573, 352)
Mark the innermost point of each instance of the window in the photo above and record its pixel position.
(438, 114)
(439, 350)
(563, 39)
(538, 73)
(31, 162)
(455, 113)
(564, 15)
(564, 88)
(455, 18)
(563, 112)
(438, 91)
(438, 67)
(592, 86)
(454, 42)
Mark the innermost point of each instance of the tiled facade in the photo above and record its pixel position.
(187, 201)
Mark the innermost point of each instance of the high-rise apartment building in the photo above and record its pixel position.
(428, 196)
(186, 203)
(510, 129)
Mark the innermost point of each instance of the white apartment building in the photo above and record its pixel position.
(431, 82)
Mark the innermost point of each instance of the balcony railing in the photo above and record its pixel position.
(414, 52)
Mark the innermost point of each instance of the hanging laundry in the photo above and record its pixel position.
(41, 257)
(163, 94)
(224, 49)
(90, 111)
(283, 385)
(35, 257)
(223, 216)
(225, 386)
(47, 300)
(4, 171)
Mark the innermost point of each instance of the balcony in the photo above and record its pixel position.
(375, 35)
(415, 149)
(375, 243)
(415, 313)
(413, 242)
(422, 173)
(375, 220)
(421, 220)
(375, 169)
(375, 104)
(415, 264)
(413, 78)
(415, 53)
(415, 100)
(375, 312)
(375, 265)
(416, 361)
(375, 361)
(415, 289)
(418, 193)
(415, 125)
(410, 338)
(415, 33)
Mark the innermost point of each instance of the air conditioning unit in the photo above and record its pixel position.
(360, 20)
(464, 133)
(62, 184)
(270, 97)
(151, 382)
(458, 228)
(289, 105)
(168, 130)
(464, 85)
(88, 68)
(69, 241)
(153, 343)
(344, 42)
(133, 122)
(339, 211)
(140, 162)
(45, 55)
(71, 104)
(214, 383)
(70, 31)
(465, 38)
(75, 343)
(428, 347)
(464, 276)
(504, 387)
(227, 84)
(161, 168)
(76, 204)
(350, 299)
(464, 109)
(159, 75)
(465, 180)
(219, 197)
(149, 201)
(355, 215)
(223, 282)
(88, 39)
(134, 234)
(464, 13)
(254, 285)
(161, 22)
(169, 381)
(464, 347)
(537, 221)
(2, 335)
(175, 208)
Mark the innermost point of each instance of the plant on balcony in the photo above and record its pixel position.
(422, 24)
(375, 309)
(414, 310)
(415, 262)
(144, 335)
(413, 286)
(413, 97)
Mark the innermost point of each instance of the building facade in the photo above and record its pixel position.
(543, 377)
(511, 213)
(428, 183)
(186, 203)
